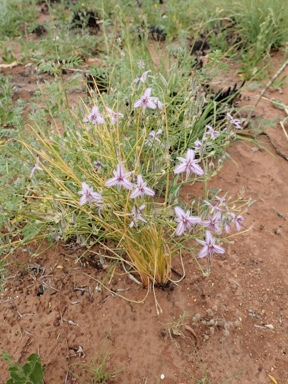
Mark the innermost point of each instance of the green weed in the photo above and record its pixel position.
(10, 112)
(31, 373)
(96, 371)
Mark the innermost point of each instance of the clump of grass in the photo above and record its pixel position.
(96, 371)
(246, 30)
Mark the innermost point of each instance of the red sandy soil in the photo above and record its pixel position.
(234, 322)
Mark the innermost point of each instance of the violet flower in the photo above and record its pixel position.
(120, 179)
(198, 144)
(235, 122)
(209, 246)
(189, 164)
(140, 64)
(222, 201)
(152, 137)
(94, 117)
(97, 165)
(213, 206)
(141, 189)
(185, 220)
(115, 116)
(137, 216)
(36, 167)
(158, 103)
(146, 101)
(212, 133)
(232, 218)
(218, 205)
(88, 195)
(213, 223)
(238, 222)
(229, 219)
(143, 78)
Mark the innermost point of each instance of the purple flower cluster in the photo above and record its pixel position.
(234, 122)
(212, 134)
(96, 118)
(120, 179)
(218, 218)
(146, 101)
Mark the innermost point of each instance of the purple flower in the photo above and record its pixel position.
(97, 165)
(94, 117)
(213, 223)
(140, 64)
(36, 167)
(232, 218)
(141, 189)
(88, 195)
(120, 179)
(227, 226)
(157, 102)
(143, 78)
(216, 205)
(189, 165)
(198, 144)
(152, 137)
(213, 206)
(222, 201)
(137, 215)
(114, 115)
(185, 220)
(209, 246)
(229, 218)
(235, 122)
(212, 133)
(238, 222)
(146, 101)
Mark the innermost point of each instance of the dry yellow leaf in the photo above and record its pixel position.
(272, 379)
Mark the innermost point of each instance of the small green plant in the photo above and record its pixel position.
(175, 330)
(31, 373)
(96, 371)
(10, 112)
(8, 56)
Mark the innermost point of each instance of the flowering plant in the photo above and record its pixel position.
(129, 175)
